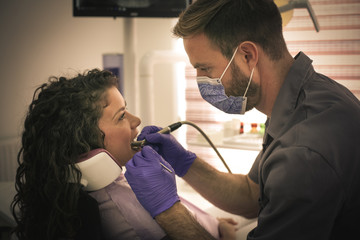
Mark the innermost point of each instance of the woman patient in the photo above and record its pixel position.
(67, 119)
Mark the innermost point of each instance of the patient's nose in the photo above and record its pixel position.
(134, 121)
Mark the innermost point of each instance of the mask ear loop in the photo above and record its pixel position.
(251, 75)
(232, 58)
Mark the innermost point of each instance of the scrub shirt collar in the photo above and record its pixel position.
(286, 100)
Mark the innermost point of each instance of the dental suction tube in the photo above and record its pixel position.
(137, 145)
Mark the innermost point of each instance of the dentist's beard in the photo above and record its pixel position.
(238, 84)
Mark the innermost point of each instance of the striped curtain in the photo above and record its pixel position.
(335, 52)
(336, 48)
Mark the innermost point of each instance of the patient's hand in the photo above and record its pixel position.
(227, 228)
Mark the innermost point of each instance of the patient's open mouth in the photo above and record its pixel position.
(137, 145)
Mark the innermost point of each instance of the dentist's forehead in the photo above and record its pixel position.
(200, 50)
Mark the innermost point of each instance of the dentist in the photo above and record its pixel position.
(305, 182)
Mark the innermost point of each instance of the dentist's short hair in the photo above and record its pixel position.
(227, 23)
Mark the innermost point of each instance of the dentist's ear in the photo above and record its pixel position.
(249, 53)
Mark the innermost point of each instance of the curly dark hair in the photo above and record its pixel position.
(61, 124)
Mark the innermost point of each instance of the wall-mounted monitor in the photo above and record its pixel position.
(129, 8)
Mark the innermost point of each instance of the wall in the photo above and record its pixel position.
(40, 38)
(143, 36)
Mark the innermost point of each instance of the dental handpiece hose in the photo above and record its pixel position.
(172, 127)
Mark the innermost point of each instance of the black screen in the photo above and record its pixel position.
(129, 8)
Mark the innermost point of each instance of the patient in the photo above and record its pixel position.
(67, 118)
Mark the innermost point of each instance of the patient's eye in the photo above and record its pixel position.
(122, 116)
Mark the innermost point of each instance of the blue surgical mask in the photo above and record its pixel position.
(212, 91)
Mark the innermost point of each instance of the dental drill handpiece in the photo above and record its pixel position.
(137, 145)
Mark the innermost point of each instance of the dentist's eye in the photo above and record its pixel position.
(205, 69)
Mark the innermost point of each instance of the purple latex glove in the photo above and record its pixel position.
(153, 185)
(169, 148)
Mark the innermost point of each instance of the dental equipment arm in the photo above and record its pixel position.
(301, 4)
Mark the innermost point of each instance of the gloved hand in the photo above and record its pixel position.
(153, 185)
(169, 148)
